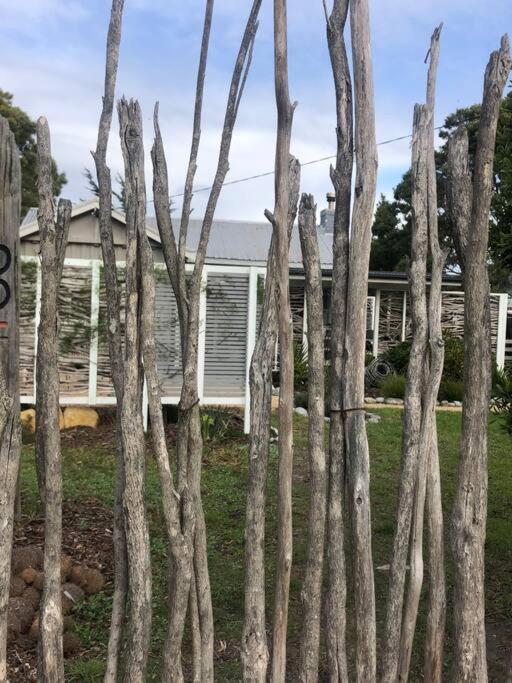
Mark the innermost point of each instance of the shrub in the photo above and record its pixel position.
(393, 386)
(301, 399)
(398, 357)
(453, 358)
(502, 396)
(300, 367)
(451, 390)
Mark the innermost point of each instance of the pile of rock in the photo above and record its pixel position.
(27, 580)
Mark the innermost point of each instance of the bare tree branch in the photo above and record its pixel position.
(459, 191)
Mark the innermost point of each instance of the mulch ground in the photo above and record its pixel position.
(87, 539)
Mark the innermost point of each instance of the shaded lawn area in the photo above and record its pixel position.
(88, 472)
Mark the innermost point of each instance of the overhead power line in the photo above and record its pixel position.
(305, 163)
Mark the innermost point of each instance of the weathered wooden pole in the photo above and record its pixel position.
(53, 238)
(470, 507)
(312, 588)
(341, 177)
(10, 431)
(279, 220)
(254, 638)
(135, 518)
(113, 333)
(357, 459)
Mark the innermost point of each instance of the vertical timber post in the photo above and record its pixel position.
(10, 432)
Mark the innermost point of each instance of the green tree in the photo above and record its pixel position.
(24, 129)
(392, 219)
(391, 237)
(120, 194)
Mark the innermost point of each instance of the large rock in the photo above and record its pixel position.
(71, 596)
(28, 420)
(94, 581)
(21, 610)
(17, 587)
(80, 417)
(70, 643)
(33, 596)
(28, 556)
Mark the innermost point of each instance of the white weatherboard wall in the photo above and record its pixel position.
(228, 310)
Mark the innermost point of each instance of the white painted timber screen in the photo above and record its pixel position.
(226, 334)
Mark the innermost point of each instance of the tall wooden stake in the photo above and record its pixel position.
(113, 333)
(54, 234)
(279, 220)
(470, 507)
(10, 433)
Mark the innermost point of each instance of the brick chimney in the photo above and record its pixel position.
(327, 215)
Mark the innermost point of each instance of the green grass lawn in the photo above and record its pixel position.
(88, 472)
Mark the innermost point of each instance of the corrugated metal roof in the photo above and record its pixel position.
(247, 241)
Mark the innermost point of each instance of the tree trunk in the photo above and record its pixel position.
(470, 507)
(136, 525)
(312, 587)
(114, 336)
(342, 181)
(254, 638)
(10, 432)
(53, 247)
(358, 466)
(279, 220)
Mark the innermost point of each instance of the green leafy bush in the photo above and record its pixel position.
(300, 367)
(393, 386)
(451, 390)
(502, 396)
(453, 358)
(398, 357)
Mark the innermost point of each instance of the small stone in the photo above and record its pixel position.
(66, 564)
(94, 581)
(368, 399)
(327, 419)
(23, 610)
(25, 642)
(68, 623)
(34, 628)
(275, 391)
(77, 575)
(75, 416)
(70, 643)
(17, 587)
(445, 403)
(13, 627)
(39, 581)
(379, 399)
(71, 595)
(393, 401)
(28, 575)
(28, 556)
(457, 404)
(372, 418)
(33, 596)
(28, 420)
(301, 411)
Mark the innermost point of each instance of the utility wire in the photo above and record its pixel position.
(306, 163)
